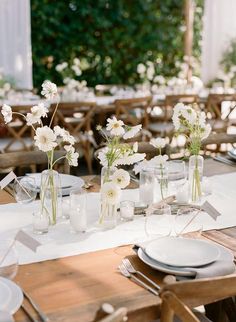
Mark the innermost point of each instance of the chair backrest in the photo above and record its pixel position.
(214, 105)
(17, 159)
(133, 110)
(74, 117)
(180, 297)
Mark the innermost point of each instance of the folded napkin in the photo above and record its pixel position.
(6, 317)
(224, 265)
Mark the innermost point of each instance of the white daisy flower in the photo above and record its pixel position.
(121, 178)
(132, 131)
(45, 139)
(71, 155)
(159, 160)
(7, 113)
(158, 143)
(111, 193)
(49, 90)
(37, 112)
(115, 126)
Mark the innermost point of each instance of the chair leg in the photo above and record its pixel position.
(88, 159)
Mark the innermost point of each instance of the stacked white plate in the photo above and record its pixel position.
(177, 256)
(232, 154)
(68, 182)
(11, 298)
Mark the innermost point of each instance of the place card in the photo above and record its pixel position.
(27, 240)
(212, 212)
(7, 179)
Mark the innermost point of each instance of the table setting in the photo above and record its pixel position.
(172, 202)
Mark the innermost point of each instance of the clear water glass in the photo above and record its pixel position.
(127, 210)
(146, 186)
(25, 190)
(78, 205)
(177, 176)
(41, 222)
(8, 259)
(188, 220)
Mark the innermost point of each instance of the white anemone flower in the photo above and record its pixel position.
(115, 126)
(7, 113)
(45, 139)
(206, 132)
(132, 131)
(71, 155)
(121, 178)
(49, 90)
(158, 143)
(37, 112)
(111, 193)
(159, 160)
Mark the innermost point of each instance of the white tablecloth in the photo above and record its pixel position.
(61, 242)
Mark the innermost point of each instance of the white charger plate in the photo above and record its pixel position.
(182, 252)
(68, 182)
(11, 296)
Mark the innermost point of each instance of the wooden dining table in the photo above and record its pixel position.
(72, 289)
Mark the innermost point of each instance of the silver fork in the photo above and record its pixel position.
(126, 273)
(132, 270)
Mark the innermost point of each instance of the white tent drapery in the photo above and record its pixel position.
(15, 40)
(219, 27)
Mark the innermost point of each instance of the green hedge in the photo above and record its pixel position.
(114, 36)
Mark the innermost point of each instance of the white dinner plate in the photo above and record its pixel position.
(163, 268)
(11, 296)
(232, 154)
(182, 252)
(68, 182)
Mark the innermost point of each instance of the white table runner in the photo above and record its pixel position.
(61, 242)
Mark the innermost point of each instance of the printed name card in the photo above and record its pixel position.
(27, 240)
(7, 179)
(212, 212)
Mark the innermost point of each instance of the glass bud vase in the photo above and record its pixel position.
(161, 183)
(50, 195)
(106, 174)
(195, 177)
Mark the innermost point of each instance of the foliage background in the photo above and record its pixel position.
(111, 37)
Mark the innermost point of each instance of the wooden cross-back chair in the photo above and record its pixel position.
(119, 315)
(77, 118)
(219, 119)
(179, 298)
(31, 158)
(18, 131)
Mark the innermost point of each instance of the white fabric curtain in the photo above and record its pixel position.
(15, 41)
(219, 27)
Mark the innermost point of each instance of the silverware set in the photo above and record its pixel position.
(41, 314)
(128, 270)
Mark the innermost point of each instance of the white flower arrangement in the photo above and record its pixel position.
(46, 138)
(193, 124)
(121, 178)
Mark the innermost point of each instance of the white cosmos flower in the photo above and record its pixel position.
(135, 147)
(190, 115)
(206, 132)
(158, 143)
(159, 160)
(202, 119)
(121, 178)
(37, 112)
(49, 90)
(71, 155)
(103, 157)
(7, 113)
(138, 167)
(132, 131)
(45, 139)
(111, 193)
(141, 68)
(65, 135)
(131, 159)
(115, 126)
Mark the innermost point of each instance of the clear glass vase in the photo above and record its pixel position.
(196, 163)
(146, 186)
(50, 195)
(106, 174)
(108, 215)
(161, 183)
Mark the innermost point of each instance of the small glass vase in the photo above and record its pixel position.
(50, 195)
(106, 174)
(146, 186)
(161, 183)
(196, 163)
(108, 215)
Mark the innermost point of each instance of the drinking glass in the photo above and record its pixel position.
(187, 220)
(146, 186)
(8, 259)
(24, 189)
(78, 201)
(177, 176)
(159, 223)
(127, 210)
(41, 222)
